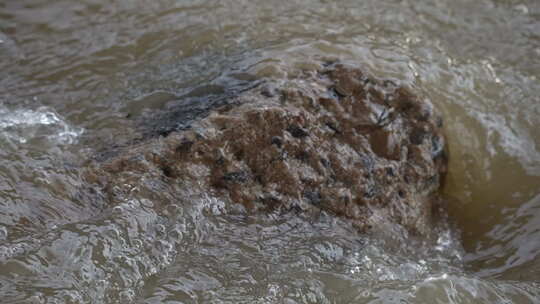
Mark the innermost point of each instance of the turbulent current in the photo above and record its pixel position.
(82, 81)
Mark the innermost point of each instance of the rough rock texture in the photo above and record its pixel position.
(333, 139)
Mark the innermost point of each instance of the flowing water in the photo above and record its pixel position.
(77, 77)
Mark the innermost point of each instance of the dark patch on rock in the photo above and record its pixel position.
(184, 146)
(236, 177)
(276, 140)
(417, 136)
(333, 127)
(325, 162)
(313, 197)
(168, 172)
(271, 202)
(302, 156)
(297, 132)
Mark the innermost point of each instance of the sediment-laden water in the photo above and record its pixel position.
(78, 79)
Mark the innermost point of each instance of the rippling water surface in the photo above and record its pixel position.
(79, 76)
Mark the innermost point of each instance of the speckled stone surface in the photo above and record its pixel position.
(333, 139)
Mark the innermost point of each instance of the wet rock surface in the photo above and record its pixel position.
(333, 139)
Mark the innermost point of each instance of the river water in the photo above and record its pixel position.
(77, 77)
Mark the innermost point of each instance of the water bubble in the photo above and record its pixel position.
(128, 282)
(166, 259)
(120, 259)
(36, 299)
(85, 276)
(132, 204)
(152, 270)
(101, 284)
(127, 296)
(174, 210)
(413, 68)
(16, 250)
(3, 233)
(166, 245)
(118, 209)
(273, 291)
(4, 252)
(160, 229)
(114, 233)
(138, 202)
(177, 235)
(136, 243)
(71, 296)
(444, 276)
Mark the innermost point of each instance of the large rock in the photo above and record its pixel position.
(333, 139)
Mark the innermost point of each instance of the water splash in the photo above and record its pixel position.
(21, 126)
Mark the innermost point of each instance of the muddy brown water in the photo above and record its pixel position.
(79, 77)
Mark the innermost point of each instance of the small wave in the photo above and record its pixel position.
(23, 125)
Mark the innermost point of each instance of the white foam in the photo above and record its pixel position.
(23, 125)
